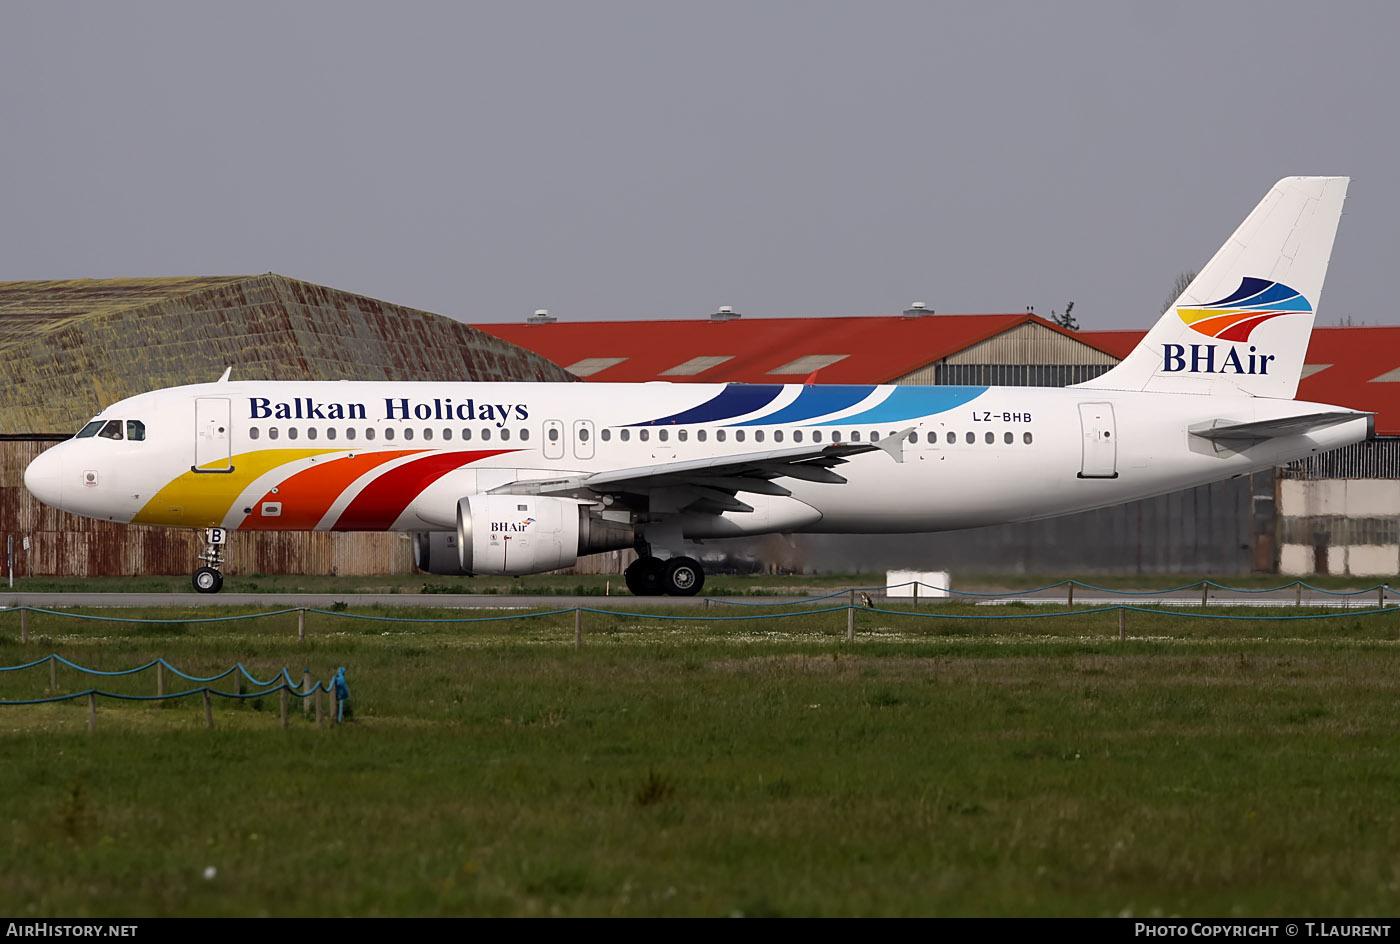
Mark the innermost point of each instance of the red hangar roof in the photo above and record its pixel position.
(1357, 367)
(758, 350)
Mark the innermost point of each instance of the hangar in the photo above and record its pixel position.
(1337, 514)
(68, 348)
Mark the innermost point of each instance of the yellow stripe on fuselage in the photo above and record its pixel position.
(202, 499)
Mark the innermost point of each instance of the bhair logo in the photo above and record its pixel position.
(1234, 317)
(511, 526)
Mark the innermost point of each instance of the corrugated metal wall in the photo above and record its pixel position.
(1211, 529)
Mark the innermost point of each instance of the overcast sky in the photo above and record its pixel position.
(610, 160)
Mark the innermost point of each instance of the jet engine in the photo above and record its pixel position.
(529, 534)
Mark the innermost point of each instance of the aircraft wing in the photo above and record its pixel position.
(710, 484)
(1270, 429)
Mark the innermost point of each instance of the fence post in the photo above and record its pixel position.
(92, 712)
(853, 598)
(850, 624)
(1380, 601)
(1297, 593)
(301, 624)
(305, 691)
(578, 628)
(1070, 601)
(1122, 622)
(1205, 588)
(24, 624)
(208, 711)
(916, 594)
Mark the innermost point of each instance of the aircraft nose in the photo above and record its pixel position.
(44, 477)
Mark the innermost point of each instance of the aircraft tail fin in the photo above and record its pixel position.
(1242, 325)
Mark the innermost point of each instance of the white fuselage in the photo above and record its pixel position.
(399, 456)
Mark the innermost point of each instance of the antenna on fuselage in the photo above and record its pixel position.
(224, 378)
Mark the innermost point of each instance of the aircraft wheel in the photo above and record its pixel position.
(684, 577)
(645, 577)
(208, 580)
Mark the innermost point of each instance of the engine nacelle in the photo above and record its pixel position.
(509, 535)
(435, 552)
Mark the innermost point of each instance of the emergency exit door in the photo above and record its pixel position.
(1099, 438)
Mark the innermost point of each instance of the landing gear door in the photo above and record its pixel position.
(211, 435)
(1100, 441)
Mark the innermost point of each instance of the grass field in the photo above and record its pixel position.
(1015, 766)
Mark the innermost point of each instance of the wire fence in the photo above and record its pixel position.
(281, 683)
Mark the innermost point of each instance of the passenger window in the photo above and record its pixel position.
(113, 430)
(524, 434)
(427, 434)
(607, 435)
(952, 437)
(447, 434)
(643, 434)
(505, 434)
(855, 435)
(991, 438)
(662, 435)
(553, 434)
(625, 435)
(369, 432)
(797, 435)
(350, 432)
(1009, 439)
(682, 434)
(408, 434)
(272, 432)
(914, 437)
(466, 435)
(758, 435)
(90, 430)
(135, 430)
(291, 432)
(719, 435)
(583, 435)
(738, 435)
(971, 438)
(777, 435)
(389, 433)
(485, 434)
(1027, 438)
(816, 435)
(311, 432)
(700, 435)
(253, 432)
(330, 432)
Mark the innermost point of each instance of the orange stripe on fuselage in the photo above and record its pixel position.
(203, 499)
(307, 495)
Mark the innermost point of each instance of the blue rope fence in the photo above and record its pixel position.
(280, 683)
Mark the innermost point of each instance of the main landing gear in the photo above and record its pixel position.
(207, 579)
(676, 577)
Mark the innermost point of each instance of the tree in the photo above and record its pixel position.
(1064, 319)
(1183, 282)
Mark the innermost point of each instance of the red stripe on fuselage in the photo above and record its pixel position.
(380, 503)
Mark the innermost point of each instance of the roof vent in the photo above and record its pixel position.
(541, 316)
(916, 309)
(725, 313)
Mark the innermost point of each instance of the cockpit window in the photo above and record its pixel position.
(89, 430)
(135, 430)
(112, 430)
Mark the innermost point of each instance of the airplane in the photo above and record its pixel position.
(521, 478)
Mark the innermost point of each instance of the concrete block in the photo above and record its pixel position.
(1296, 560)
(1373, 560)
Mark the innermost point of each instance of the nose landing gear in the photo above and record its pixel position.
(208, 579)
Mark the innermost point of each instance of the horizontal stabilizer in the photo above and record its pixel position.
(1272, 429)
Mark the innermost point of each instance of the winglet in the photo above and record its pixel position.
(894, 445)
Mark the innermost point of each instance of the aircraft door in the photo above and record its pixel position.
(211, 435)
(1099, 459)
(583, 439)
(553, 439)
